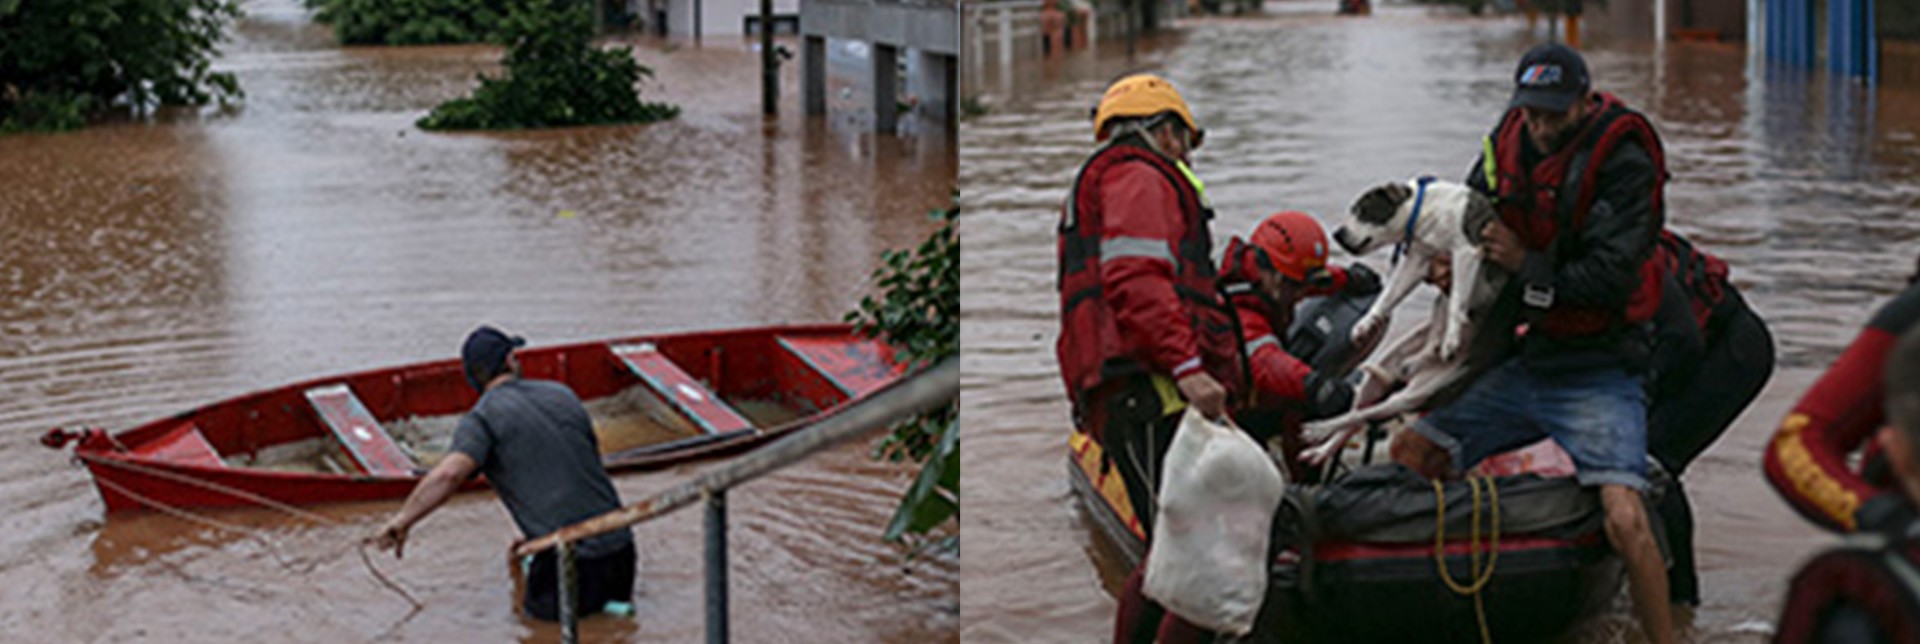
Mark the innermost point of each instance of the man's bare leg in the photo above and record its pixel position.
(1632, 537)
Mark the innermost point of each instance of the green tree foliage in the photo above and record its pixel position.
(555, 77)
(918, 312)
(62, 61)
(411, 22)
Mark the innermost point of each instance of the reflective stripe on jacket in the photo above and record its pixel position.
(1136, 280)
(1807, 460)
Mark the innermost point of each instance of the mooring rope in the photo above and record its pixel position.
(257, 534)
(211, 486)
(1479, 576)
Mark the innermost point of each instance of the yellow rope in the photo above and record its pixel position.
(1480, 576)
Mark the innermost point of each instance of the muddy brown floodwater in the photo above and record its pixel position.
(152, 267)
(1810, 190)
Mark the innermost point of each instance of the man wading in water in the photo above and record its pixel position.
(534, 441)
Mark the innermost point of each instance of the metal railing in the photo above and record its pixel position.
(922, 392)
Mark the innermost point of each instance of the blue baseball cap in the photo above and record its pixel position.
(484, 356)
(1551, 77)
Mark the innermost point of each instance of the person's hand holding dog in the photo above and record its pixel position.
(1502, 246)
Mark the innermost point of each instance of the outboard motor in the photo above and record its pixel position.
(1322, 331)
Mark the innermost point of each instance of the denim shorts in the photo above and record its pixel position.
(1598, 416)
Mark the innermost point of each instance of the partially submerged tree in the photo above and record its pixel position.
(918, 312)
(64, 61)
(555, 77)
(410, 22)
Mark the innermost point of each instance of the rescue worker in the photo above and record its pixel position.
(1807, 460)
(1142, 330)
(1264, 279)
(1577, 178)
(1868, 588)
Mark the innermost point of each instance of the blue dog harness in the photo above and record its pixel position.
(1419, 198)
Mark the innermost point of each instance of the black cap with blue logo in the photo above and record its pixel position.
(1551, 77)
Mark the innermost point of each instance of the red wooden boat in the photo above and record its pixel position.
(657, 401)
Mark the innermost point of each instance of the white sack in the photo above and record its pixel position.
(1218, 493)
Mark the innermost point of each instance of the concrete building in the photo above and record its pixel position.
(928, 31)
(714, 17)
(1710, 20)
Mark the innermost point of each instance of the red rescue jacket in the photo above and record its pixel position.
(1807, 460)
(1137, 276)
(1275, 373)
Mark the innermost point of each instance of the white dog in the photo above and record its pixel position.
(1422, 219)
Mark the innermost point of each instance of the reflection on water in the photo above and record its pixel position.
(151, 267)
(1805, 187)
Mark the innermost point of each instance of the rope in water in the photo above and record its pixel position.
(1480, 576)
(250, 497)
(210, 486)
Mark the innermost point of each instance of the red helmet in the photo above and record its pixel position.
(1292, 244)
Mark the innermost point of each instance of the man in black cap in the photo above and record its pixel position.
(1577, 178)
(534, 441)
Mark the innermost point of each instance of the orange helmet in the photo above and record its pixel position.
(1292, 244)
(1140, 95)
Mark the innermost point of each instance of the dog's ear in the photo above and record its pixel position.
(1377, 206)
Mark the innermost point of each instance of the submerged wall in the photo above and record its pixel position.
(1714, 20)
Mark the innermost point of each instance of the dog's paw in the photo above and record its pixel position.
(1317, 455)
(1317, 431)
(1449, 348)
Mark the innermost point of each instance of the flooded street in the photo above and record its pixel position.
(153, 267)
(1808, 190)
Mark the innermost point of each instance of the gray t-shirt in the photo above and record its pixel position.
(535, 443)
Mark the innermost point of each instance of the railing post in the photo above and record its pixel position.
(769, 78)
(1006, 37)
(717, 567)
(569, 587)
(1093, 25)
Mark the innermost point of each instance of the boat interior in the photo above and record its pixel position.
(646, 396)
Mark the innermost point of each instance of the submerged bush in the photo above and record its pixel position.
(62, 61)
(918, 312)
(410, 22)
(555, 77)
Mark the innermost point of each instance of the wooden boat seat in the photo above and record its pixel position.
(185, 445)
(857, 365)
(373, 450)
(681, 391)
